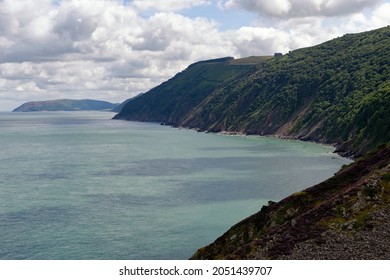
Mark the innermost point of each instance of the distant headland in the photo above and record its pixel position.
(66, 105)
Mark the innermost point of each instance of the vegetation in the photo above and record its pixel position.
(171, 101)
(337, 92)
(66, 105)
(354, 201)
(250, 60)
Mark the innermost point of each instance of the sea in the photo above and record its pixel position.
(81, 186)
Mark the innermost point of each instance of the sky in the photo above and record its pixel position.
(115, 49)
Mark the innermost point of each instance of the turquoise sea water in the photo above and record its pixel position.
(78, 185)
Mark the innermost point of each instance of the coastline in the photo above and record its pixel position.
(334, 146)
(344, 217)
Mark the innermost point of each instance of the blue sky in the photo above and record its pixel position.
(226, 18)
(112, 50)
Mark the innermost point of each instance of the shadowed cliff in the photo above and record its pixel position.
(335, 93)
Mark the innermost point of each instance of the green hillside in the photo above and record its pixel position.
(337, 92)
(171, 101)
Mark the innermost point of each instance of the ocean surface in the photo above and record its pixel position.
(78, 185)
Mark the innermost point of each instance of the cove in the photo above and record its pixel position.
(78, 185)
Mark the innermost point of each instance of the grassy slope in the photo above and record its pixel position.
(169, 102)
(336, 92)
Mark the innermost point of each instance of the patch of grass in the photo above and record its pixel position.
(386, 177)
(370, 191)
(386, 186)
(250, 60)
(279, 218)
(301, 193)
(362, 219)
(328, 222)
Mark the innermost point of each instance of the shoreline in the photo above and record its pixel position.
(343, 217)
(337, 149)
(334, 146)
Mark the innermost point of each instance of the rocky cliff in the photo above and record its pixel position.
(336, 93)
(345, 217)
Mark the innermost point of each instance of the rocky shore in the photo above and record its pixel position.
(362, 231)
(368, 244)
(345, 217)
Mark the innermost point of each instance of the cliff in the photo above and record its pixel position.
(335, 93)
(345, 217)
(170, 102)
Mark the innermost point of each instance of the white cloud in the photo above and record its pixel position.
(298, 24)
(111, 51)
(275, 7)
(29, 86)
(259, 40)
(300, 8)
(360, 21)
(168, 5)
(104, 50)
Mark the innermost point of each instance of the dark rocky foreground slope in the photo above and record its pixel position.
(345, 217)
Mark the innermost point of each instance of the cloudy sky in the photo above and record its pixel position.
(112, 50)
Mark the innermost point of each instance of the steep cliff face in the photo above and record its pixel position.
(345, 217)
(336, 93)
(171, 101)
